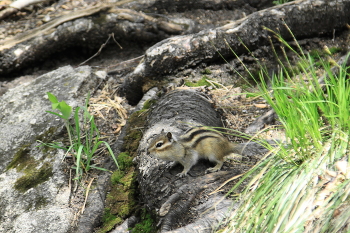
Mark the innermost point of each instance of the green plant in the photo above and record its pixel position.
(84, 137)
(291, 189)
(146, 224)
(278, 2)
(204, 81)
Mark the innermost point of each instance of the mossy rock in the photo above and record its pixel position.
(124, 161)
(202, 82)
(120, 201)
(148, 103)
(33, 177)
(21, 159)
(133, 132)
(146, 225)
(110, 221)
(116, 176)
(206, 71)
(38, 203)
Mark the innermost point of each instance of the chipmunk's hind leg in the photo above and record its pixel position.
(218, 166)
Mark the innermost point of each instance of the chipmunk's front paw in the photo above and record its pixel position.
(212, 169)
(182, 174)
(171, 165)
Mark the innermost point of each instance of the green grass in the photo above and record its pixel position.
(302, 184)
(278, 2)
(84, 137)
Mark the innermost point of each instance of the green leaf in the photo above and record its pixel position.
(100, 168)
(55, 106)
(78, 169)
(52, 98)
(55, 113)
(65, 109)
(77, 124)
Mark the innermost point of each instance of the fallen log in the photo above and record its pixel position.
(303, 18)
(176, 201)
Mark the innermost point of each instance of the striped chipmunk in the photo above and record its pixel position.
(195, 144)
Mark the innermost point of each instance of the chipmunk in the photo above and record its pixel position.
(197, 143)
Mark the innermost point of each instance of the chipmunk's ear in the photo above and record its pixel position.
(169, 136)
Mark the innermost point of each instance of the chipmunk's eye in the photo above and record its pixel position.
(159, 144)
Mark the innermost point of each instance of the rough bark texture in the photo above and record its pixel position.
(127, 25)
(89, 28)
(184, 5)
(179, 201)
(304, 18)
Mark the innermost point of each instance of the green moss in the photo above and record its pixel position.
(133, 132)
(23, 162)
(109, 220)
(107, 216)
(206, 71)
(120, 201)
(116, 176)
(125, 210)
(148, 103)
(38, 203)
(127, 179)
(124, 160)
(21, 159)
(146, 225)
(33, 177)
(202, 82)
(335, 50)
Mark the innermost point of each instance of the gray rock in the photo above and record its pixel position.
(34, 188)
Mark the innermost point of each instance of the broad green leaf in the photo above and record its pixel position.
(65, 109)
(55, 106)
(52, 98)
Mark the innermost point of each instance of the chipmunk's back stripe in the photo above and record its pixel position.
(193, 134)
(198, 140)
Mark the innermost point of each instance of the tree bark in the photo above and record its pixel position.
(180, 201)
(79, 30)
(89, 28)
(305, 18)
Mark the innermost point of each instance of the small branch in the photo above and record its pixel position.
(8, 43)
(102, 46)
(16, 6)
